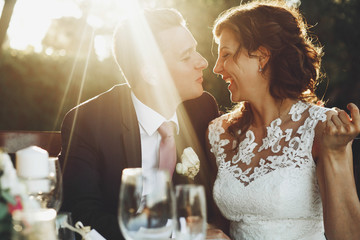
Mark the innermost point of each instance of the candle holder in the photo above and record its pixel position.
(34, 224)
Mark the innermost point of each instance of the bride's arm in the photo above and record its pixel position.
(219, 227)
(341, 205)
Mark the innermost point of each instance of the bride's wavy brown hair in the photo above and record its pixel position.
(295, 59)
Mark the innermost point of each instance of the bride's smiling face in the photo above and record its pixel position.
(240, 71)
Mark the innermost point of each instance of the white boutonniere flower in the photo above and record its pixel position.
(190, 163)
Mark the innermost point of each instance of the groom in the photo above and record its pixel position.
(119, 128)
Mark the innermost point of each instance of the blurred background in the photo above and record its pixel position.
(57, 53)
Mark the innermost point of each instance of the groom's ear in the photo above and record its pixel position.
(149, 75)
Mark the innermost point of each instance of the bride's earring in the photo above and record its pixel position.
(260, 69)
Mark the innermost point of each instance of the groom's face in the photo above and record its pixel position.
(184, 63)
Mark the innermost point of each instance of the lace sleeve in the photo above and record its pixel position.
(217, 140)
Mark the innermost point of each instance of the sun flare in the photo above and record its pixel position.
(31, 20)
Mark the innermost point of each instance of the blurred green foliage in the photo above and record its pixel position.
(336, 23)
(36, 90)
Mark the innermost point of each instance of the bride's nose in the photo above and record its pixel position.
(218, 68)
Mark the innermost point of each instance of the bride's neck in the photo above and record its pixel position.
(265, 112)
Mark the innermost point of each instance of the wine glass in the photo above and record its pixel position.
(55, 196)
(191, 212)
(147, 204)
(47, 191)
(34, 224)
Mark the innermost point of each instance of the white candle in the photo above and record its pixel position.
(32, 162)
(32, 166)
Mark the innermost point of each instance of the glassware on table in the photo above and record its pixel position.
(147, 204)
(63, 219)
(47, 191)
(53, 199)
(55, 196)
(191, 212)
(34, 224)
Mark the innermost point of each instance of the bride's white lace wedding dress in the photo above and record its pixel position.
(274, 193)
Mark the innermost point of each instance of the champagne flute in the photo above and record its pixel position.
(191, 212)
(47, 191)
(44, 190)
(54, 200)
(147, 204)
(55, 196)
(34, 224)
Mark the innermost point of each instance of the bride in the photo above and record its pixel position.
(284, 162)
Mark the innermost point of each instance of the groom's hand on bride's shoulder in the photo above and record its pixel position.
(214, 233)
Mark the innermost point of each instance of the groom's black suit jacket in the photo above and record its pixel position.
(101, 137)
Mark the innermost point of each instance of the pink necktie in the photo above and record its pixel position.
(167, 150)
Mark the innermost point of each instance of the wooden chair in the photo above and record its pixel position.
(12, 141)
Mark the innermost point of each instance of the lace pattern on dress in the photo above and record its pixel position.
(293, 154)
(268, 187)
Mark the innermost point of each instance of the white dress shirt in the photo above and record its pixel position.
(149, 122)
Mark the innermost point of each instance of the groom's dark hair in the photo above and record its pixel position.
(131, 36)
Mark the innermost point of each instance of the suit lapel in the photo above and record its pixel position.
(181, 138)
(186, 138)
(129, 128)
(193, 123)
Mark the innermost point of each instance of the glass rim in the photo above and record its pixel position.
(138, 170)
(41, 214)
(189, 185)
